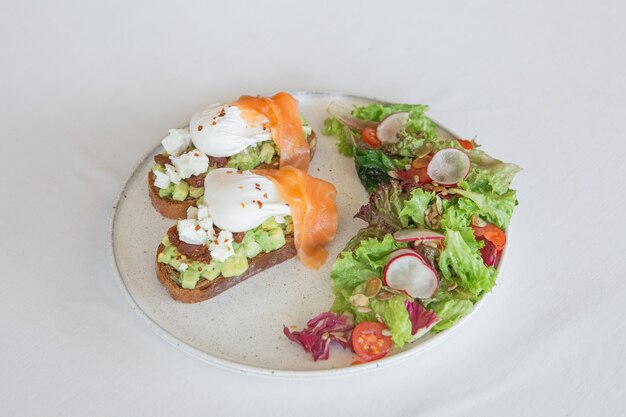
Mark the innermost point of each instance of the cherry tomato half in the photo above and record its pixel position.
(492, 233)
(467, 144)
(369, 137)
(369, 342)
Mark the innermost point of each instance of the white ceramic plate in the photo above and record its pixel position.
(241, 329)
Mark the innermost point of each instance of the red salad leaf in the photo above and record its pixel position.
(421, 319)
(488, 252)
(320, 331)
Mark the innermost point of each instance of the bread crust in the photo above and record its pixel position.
(167, 207)
(205, 289)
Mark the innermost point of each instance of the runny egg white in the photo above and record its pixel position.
(220, 131)
(241, 200)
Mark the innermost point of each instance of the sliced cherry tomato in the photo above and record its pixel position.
(369, 342)
(492, 233)
(423, 175)
(369, 137)
(467, 144)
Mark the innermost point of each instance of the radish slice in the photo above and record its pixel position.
(387, 131)
(401, 251)
(345, 116)
(410, 273)
(448, 166)
(411, 235)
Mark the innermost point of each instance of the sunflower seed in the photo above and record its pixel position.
(393, 174)
(363, 309)
(386, 332)
(453, 286)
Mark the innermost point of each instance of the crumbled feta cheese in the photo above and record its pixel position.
(222, 247)
(161, 179)
(183, 266)
(177, 141)
(191, 163)
(191, 232)
(171, 172)
(207, 224)
(192, 212)
(203, 212)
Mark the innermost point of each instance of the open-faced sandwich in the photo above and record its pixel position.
(250, 133)
(438, 213)
(246, 222)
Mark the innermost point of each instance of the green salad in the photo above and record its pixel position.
(435, 227)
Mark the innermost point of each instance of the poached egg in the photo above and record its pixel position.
(221, 131)
(241, 200)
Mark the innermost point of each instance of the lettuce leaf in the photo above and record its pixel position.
(415, 206)
(408, 145)
(366, 260)
(489, 174)
(462, 264)
(496, 208)
(391, 209)
(333, 127)
(384, 209)
(417, 123)
(457, 215)
(394, 314)
(449, 311)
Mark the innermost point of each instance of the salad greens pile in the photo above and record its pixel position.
(484, 196)
(449, 234)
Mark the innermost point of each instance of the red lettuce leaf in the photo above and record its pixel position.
(421, 319)
(320, 331)
(488, 252)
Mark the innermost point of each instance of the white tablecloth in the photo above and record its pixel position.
(86, 88)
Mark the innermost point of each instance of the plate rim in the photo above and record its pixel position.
(269, 372)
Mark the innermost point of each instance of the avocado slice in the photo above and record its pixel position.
(181, 191)
(234, 266)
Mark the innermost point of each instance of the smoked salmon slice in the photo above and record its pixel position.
(281, 110)
(313, 209)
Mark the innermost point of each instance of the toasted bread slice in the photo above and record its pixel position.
(205, 289)
(173, 209)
